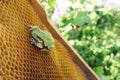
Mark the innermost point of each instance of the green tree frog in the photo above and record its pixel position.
(41, 38)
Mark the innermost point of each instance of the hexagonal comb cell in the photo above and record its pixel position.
(19, 60)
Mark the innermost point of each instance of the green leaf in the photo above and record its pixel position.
(64, 22)
(99, 70)
(51, 3)
(73, 1)
(103, 77)
(82, 1)
(82, 18)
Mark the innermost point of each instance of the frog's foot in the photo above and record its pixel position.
(44, 50)
(32, 41)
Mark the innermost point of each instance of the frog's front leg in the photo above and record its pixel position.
(38, 44)
(32, 41)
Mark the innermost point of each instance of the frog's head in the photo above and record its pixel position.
(31, 27)
(51, 47)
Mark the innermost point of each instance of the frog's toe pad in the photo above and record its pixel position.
(44, 50)
(32, 41)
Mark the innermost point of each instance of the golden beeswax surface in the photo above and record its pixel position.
(19, 60)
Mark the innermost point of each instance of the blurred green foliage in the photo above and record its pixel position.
(95, 34)
(49, 5)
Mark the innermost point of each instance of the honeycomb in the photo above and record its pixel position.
(19, 60)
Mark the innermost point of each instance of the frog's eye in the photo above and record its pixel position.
(51, 47)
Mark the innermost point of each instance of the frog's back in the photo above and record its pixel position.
(48, 38)
(45, 36)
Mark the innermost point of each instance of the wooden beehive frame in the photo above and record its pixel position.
(75, 56)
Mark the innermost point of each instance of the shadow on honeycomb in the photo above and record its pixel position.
(19, 60)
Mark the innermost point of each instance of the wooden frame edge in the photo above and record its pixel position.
(39, 9)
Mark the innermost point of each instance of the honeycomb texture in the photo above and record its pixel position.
(19, 60)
